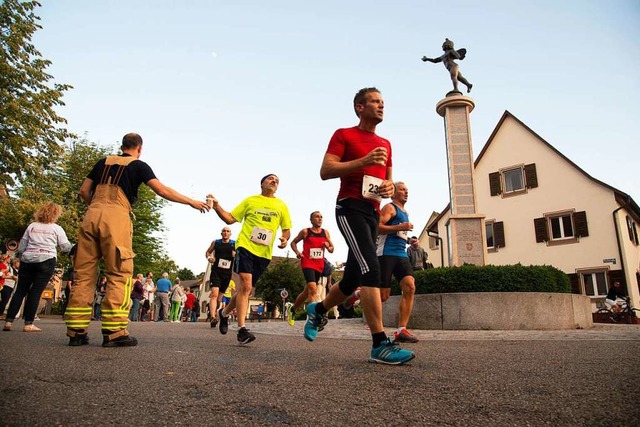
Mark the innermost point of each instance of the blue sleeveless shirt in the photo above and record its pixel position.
(393, 244)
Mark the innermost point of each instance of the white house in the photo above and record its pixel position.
(541, 208)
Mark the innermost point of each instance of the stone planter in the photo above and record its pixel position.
(494, 311)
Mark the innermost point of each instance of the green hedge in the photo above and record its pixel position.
(490, 278)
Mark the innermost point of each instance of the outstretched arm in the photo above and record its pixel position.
(434, 60)
(170, 194)
(222, 214)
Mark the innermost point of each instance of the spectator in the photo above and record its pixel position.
(101, 290)
(136, 295)
(38, 261)
(176, 300)
(189, 304)
(10, 276)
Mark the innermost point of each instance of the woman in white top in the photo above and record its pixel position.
(38, 261)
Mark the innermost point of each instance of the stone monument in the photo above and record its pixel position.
(465, 228)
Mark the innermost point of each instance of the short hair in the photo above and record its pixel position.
(165, 275)
(312, 213)
(361, 97)
(48, 213)
(131, 140)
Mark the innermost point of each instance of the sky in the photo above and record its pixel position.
(225, 92)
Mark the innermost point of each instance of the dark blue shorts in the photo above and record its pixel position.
(246, 262)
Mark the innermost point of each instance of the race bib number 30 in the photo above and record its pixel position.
(315, 253)
(261, 236)
(224, 263)
(370, 185)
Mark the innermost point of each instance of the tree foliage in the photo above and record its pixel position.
(185, 274)
(30, 130)
(283, 275)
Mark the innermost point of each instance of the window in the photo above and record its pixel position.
(561, 227)
(489, 230)
(494, 231)
(633, 230)
(513, 180)
(594, 282)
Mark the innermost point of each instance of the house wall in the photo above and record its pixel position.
(561, 187)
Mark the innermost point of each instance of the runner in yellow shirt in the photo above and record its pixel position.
(261, 215)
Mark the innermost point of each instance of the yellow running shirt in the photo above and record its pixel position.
(260, 216)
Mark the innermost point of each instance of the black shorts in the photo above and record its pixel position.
(220, 278)
(358, 223)
(311, 275)
(398, 266)
(246, 262)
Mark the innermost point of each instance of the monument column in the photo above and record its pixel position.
(465, 228)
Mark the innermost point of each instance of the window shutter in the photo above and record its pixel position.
(580, 223)
(575, 283)
(540, 225)
(494, 183)
(530, 175)
(498, 234)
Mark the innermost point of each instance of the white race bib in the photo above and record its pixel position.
(224, 263)
(370, 185)
(261, 236)
(316, 253)
(404, 235)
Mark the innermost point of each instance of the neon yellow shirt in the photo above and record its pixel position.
(231, 287)
(261, 216)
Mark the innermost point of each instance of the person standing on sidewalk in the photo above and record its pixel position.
(110, 189)
(417, 256)
(394, 261)
(261, 215)
(220, 254)
(315, 240)
(362, 161)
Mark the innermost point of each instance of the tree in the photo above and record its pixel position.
(285, 274)
(30, 130)
(185, 274)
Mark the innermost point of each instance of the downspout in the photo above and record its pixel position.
(439, 240)
(615, 225)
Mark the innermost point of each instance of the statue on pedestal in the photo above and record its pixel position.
(448, 60)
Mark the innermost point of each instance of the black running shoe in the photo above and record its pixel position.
(78, 340)
(123, 341)
(323, 322)
(214, 322)
(223, 326)
(245, 337)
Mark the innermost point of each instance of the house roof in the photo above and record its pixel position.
(621, 197)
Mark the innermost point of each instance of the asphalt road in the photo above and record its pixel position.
(188, 374)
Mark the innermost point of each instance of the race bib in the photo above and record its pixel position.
(261, 236)
(404, 235)
(316, 253)
(224, 263)
(370, 186)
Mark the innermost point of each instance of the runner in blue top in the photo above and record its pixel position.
(391, 250)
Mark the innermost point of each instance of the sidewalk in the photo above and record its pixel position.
(355, 329)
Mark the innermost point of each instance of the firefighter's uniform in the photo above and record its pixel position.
(106, 233)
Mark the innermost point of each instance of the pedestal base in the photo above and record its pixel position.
(466, 239)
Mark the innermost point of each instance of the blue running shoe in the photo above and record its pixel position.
(390, 353)
(314, 322)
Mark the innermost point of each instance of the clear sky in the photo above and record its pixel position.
(224, 92)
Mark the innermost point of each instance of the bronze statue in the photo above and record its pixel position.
(448, 60)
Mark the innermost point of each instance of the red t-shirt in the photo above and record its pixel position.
(188, 304)
(353, 143)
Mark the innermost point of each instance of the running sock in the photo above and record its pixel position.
(400, 328)
(320, 309)
(378, 338)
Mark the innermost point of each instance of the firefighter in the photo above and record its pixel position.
(106, 233)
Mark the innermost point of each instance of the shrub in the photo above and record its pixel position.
(490, 278)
